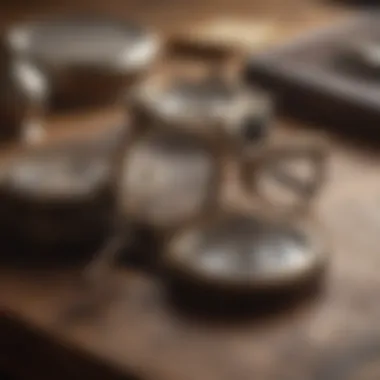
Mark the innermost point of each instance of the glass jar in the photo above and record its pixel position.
(88, 59)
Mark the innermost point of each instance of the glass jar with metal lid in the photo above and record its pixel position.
(171, 176)
(199, 124)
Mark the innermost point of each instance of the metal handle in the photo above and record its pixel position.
(273, 172)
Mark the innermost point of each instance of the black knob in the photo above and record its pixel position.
(254, 128)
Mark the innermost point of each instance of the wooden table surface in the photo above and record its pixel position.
(140, 335)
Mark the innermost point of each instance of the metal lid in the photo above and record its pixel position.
(246, 253)
(205, 105)
(64, 172)
(85, 41)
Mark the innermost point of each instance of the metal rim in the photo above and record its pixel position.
(225, 115)
(139, 56)
(34, 156)
(316, 245)
(253, 167)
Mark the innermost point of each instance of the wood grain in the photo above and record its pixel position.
(138, 333)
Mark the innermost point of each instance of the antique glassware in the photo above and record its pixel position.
(88, 59)
(200, 122)
(58, 196)
(171, 176)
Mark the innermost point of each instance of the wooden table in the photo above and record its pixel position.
(139, 334)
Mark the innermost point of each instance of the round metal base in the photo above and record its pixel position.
(238, 259)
